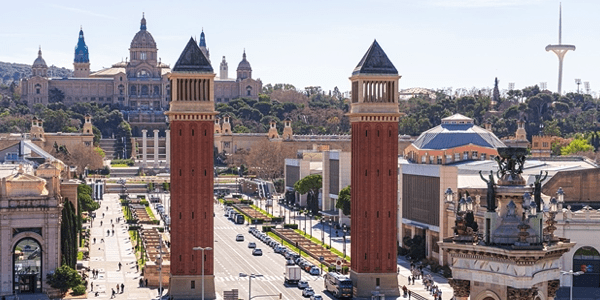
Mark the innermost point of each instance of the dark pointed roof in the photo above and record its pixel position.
(375, 61)
(192, 60)
(81, 50)
(202, 39)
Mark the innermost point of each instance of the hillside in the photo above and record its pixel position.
(10, 72)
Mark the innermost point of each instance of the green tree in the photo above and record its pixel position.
(577, 145)
(310, 185)
(84, 194)
(68, 229)
(496, 93)
(55, 95)
(64, 278)
(344, 200)
(241, 129)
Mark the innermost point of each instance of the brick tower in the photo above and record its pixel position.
(374, 117)
(191, 116)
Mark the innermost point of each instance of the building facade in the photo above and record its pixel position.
(192, 126)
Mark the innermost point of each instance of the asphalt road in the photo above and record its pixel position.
(233, 258)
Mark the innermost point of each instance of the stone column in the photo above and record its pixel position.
(144, 148)
(553, 286)
(156, 148)
(168, 150)
(462, 288)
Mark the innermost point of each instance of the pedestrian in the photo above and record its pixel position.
(110, 221)
(113, 232)
(146, 281)
(409, 294)
(122, 287)
(102, 240)
(112, 294)
(119, 266)
(102, 215)
(398, 270)
(107, 232)
(408, 279)
(117, 287)
(141, 283)
(113, 226)
(92, 286)
(94, 240)
(107, 207)
(137, 267)
(100, 223)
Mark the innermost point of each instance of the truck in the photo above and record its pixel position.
(293, 274)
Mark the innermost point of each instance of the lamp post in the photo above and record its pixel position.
(305, 214)
(202, 249)
(571, 273)
(330, 225)
(310, 217)
(322, 231)
(250, 282)
(344, 229)
(561, 197)
(159, 262)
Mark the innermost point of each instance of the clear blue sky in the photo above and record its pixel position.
(432, 43)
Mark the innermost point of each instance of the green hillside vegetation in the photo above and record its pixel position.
(13, 72)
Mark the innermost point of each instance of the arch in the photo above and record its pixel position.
(132, 90)
(487, 295)
(586, 259)
(144, 91)
(249, 91)
(27, 262)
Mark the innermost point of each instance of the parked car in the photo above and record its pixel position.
(307, 267)
(302, 284)
(307, 292)
(252, 245)
(239, 238)
(289, 262)
(316, 297)
(257, 252)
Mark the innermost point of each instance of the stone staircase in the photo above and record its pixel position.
(123, 171)
(108, 145)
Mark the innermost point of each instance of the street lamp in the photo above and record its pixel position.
(159, 262)
(310, 217)
(571, 273)
(322, 231)
(202, 249)
(344, 229)
(250, 282)
(330, 225)
(449, 194)
(561, 197)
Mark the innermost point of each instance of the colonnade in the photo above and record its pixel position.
(156, 161)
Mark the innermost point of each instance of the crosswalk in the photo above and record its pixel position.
(261, 278)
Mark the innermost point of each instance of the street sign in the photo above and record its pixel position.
(338, 264)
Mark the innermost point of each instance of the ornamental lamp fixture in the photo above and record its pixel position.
(462, 205)
(533, 209)
(553, 205)
(469, 204)
(449, 195)
(526, 200)
(561, 195)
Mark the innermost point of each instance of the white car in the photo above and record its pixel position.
(316, 297)
(252, 245)
(307, 292)
(302, 284)
(239, 238)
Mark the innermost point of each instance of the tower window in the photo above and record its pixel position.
(179, 172)
(378, 214)
(365, 256)
(143, 55)
(204, 172)
(193, 284)
(192, 218)
(179, 132)
(180, 219)
(366, 133)
(192, 132)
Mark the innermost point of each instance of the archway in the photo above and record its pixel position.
(586, 259)
(27, 266)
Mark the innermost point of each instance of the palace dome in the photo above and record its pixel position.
(39, 61)
(143, 39)
(244, 64)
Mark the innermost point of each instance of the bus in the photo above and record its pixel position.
(338, 285)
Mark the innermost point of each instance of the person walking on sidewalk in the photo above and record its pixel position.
(122, 287)
(119, 267)
(112, 294)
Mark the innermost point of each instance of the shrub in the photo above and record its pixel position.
(161, 229)
(345, 269)
(446, 271)
(228, 202)
(79, 290)
(290, 226)
(128, 162)
(144, 202)
(64, 278)
(277, 219)
(246, 201)
(267, 228)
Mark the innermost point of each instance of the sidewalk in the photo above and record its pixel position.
(105, 256)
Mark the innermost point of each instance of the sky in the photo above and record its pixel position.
(432, 43)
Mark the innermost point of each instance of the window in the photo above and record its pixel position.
(121, 89)
(144, 90)
(431, 159)
(226, 144)
(249, 91)
(423, 159)
(535, 144)
(474, 155)
(448, 159)
(377, 281)
(483, 156)
(93, 98)
(143, 55)
(132, 90)
(439, 160)
(456, 156)
(37, 88)
(193, 285)
(545, 144)
(156, 90)
(465, 155)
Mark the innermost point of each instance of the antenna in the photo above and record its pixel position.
(511, 86)
(577, 82)
(586, 85)
(542, 86)
(560, 23)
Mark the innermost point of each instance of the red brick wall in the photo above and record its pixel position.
(191, 196)
(374, 196)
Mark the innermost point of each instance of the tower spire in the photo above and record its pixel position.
(143, 22)
(560, 23)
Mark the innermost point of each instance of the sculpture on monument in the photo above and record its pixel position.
(491, 193)
(537, 190)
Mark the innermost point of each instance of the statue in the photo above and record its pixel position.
(537, 189)
(491, 194)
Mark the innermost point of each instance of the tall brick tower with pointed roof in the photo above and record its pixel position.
(192, 120)
(374, 116)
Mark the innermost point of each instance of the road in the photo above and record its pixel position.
(233, 258)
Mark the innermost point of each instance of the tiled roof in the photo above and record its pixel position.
(447, 136)
(375, 61)
(192, 60)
